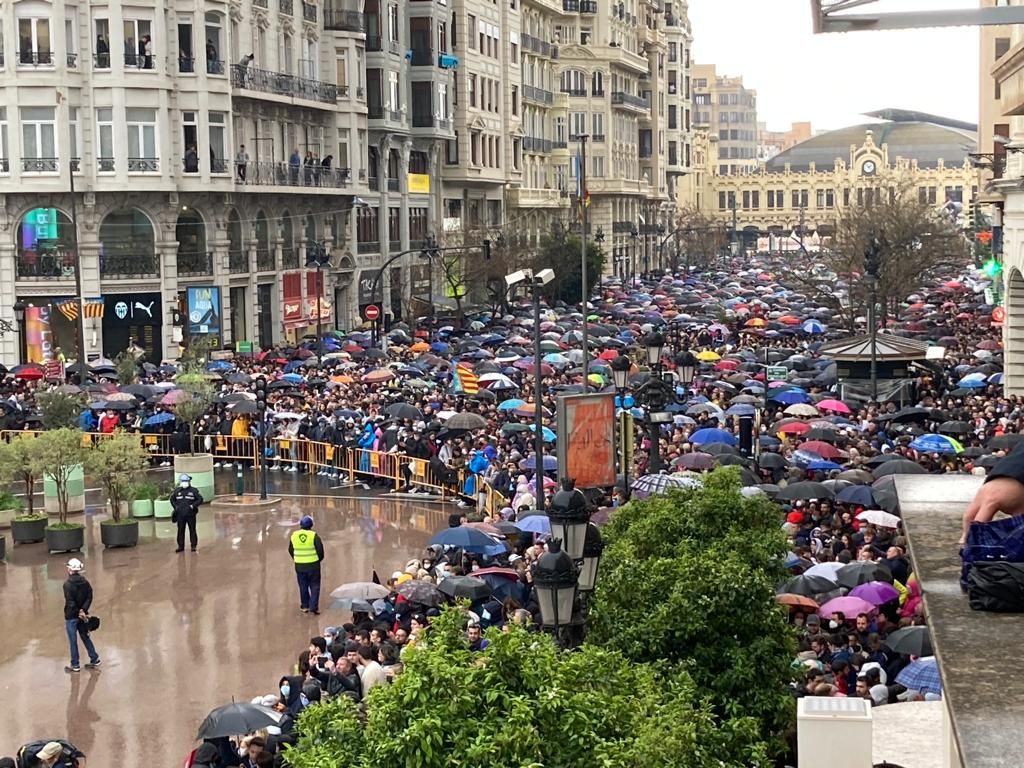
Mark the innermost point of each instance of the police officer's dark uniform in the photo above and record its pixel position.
(185, 503)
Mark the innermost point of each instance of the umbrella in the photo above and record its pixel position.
(854, 574)
(653, 485)
(466, 421)
(913, 641)
(159, 418)
(884, 491)
(805, 491)
(237, 718)
(511, 404)
(712, 435)
(1005, 442)
(826, 570)
(921, 675)
(465, 538)
(801, 409)
(769, 460)
(421, 592)
(175, 396)
(836, 406)
(535, 524)
(404, 411)
(360, 590)
(808, 586)
(244, 406)
(465, 587)
(796, 601)
(550, 462)
(856, 494)
(933, 443)
(823, 449)
(876, 592)
(878, 517)
(899, 467)
(846, 605)
(698, 461)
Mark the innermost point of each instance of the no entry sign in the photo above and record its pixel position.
(372, 312)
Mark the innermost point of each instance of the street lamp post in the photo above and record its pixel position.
(634, 235)
(621, 367)
(872, 268)
(19, 317)
(318, 258)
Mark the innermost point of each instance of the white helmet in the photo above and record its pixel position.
(75, 565)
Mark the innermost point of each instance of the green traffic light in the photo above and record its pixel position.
(992, 268)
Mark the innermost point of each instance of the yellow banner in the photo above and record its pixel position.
(419, 183)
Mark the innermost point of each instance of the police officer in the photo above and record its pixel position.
(307, 551)
(185, 503)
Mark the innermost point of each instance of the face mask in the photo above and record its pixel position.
(286, 690)
(833, 624)
(303, 700)
(184, 484)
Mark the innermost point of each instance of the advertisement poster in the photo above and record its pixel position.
(586, 439)
(38, 334)
(204, 311)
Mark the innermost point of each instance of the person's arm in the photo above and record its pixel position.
(319, 544)
(291, 549)
(200, 498)
(1003, 491)
(86, 596)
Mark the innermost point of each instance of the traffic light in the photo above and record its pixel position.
(992, 268)
(261, 397)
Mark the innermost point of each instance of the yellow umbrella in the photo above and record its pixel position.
(596, 379)
(707, 356)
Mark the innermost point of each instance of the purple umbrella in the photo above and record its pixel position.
(848, 606)
(876, 592)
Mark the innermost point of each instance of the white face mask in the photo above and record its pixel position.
(833, 624)
(184, 483)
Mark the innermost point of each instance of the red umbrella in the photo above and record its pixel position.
(820, 447)
(608, 354)
(795, 428)
(727, 365)
(28, 372)
(174, 397)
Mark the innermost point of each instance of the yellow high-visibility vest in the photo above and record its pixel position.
(303, 548)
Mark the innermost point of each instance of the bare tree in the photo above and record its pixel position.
(699, 238)
(471, 276)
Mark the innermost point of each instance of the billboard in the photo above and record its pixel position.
(586, 439)
(38, 334)
(204, 310)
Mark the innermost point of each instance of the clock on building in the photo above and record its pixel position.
(868, 169)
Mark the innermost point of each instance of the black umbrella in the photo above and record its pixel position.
(908, 414)
(954, 428)
(466, 421)
(420, 592)
(913, 641)
(884, 491)
(899, 467)
(115, 405)
(808, 586)
(244, 406)
(237, 718)
(1005, 442)
(404, 411)
(825, 435)
(465, 587)
(854, 574)
(805, 491)
(732, 460)
(717, 449)
(769, 460)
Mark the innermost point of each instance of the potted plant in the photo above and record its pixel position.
(16, 464)
(115, 463)
(162, 503)
(198, 395)
(62, 410)
(59, 455)
(143, 494)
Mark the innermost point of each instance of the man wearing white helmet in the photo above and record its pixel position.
(77, 601)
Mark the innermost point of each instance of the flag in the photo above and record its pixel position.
(582, 193)
(68, 308)
(469, 382)
(94, 307)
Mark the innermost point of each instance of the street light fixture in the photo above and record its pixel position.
(654, 344)
(686, 366)
(593, 546)
(19, 316)
(554, 581)
(569, 518)
(621, 367)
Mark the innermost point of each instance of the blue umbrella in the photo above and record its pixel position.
(440, 348)
(740, 409)
(548, 435)
(790, 396)
(468, 539)
(550, 463)
(535, 524)
(159, 418)
(933, 443)
(996, 378)
(973, 381)
(219, 365)
(813, 326)
(510, 405)
(712, 435)
(823, 465)
(857, 494)
(293, 378)
(921, 675)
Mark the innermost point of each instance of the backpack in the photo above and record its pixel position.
(27, 755)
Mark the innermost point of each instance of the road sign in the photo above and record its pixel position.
(777, 372)
(372, 312)
(998, 315)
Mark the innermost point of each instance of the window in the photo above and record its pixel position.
(142, 151)
(560, 135)
(394, 101)
(417, 224)
(74, 138)
(443, 111)
(4, 156)
(578, 124)
(474, 148)
(101, 35)
(830, 200)
(394, 228)
(597, 83)
(214, 43)
(34, 41)
(71, 37)
(287, 53)
(597, 124)
(218, 136)
(138, 43)
(366, 225)
(471, 85)
(515, 99)
(393, 24)
(442, 37)
(105, 139)
(722, 201)
(471, 30)
(585, 33)
(451, 150)
(38, 140)
(597, 166)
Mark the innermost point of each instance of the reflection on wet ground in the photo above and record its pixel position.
(184, 633)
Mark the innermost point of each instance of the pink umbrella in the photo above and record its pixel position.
(174, 397)
(838, 406)
(848, 606)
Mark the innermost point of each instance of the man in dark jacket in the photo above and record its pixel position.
(307, 552)
(185, 503)
(341, 677)
(77, 601)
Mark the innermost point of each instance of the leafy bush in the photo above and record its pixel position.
(59, 410)
(58, 453)
(116, 462)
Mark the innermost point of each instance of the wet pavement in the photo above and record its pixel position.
(183, 633)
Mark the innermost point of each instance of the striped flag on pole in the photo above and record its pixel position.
(468, 382)
(94, 306)
(67, 307)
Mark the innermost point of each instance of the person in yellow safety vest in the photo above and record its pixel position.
(307, 551)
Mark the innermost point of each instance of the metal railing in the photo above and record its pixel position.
(289, 257)
(40, 164)
(589, 6)
(139, 60)
(45, 266)
(431, 121)
(143, 165)
(344, 21)
(186, 64)
(35, 58)
(282, 84)
(597, 138)
(265, 261)
(105, 164)
(136, 265)
(597, 92)
(238, 261)
(539, 95)
(214, 67)
(575, 91)
(628, 99)
(371, 247)
(394, 245)
(279, 173)
(536, 45)
(101, 60)
(286, 7)
(5, 165)
(309, 12)
(373, 183)
(392, 185)
(195, 263)
(532, 144)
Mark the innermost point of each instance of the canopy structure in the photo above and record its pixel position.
(888, 348)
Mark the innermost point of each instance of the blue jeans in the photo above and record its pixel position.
(74, 629)
(309, 589)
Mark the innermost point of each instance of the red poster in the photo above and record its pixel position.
(291, 282)
(586, 439)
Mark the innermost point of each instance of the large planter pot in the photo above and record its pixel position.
(65, 539)
(6, 516)
(3, 547)
(142, 508)
(28, 531)
(200, 467)
(162, 509)
(123, 534)
(76, 493)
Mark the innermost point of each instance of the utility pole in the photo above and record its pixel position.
(734, 240)
(583, 260)
(83, 355)
(872, 268)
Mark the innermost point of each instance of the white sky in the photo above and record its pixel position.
(832, 79)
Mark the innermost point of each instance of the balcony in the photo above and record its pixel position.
(556, 144)
(195, 264)
(374, 44)
(392, 185)
(597, 92)
(46, 266)
(137, 61)
(343, 21)
(671, 21)
(101, 61)
(538, 95)
(135, 266)
(238, 262)
(289, 257)
(597, 138)
(27, 58)
(371, 247)
(143, 165)
(373, 183)
(575, 91)
(186, 64)
(286, 7)
(261, 3)
(309, 12)
(281, 174)
(571, 6)
(422, 57)
(40, 164)
(540, 146)
(622, 99)
(538, 46)
(282, 84)
(588, 6)
(431, 121)
(394, 246)
(265, 261)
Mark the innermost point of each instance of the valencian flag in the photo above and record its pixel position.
(69, 307)
(582, 193)
(465, 380)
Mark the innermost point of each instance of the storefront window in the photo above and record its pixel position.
(46, 245)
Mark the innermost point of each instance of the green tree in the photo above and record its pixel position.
(57, 454)
(688, 579)
(18, 462)
(561, 253)
(116, 462)
(520, 702)
(198, 395)
(59, 409)
(127, 367)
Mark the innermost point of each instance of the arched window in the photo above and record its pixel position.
(46, 245)
(193, 257)
(264, 256)
(289, 253)
(127, 245)
(238, 259)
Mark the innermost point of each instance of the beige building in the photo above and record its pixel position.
(804, 188)
(771, 143)
(727, 110)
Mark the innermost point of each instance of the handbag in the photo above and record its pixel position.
(91, 624)
(998, 541)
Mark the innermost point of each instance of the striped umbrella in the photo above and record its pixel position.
(654, 485)
(921, 675)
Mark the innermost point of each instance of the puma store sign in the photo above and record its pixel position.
(133, 309)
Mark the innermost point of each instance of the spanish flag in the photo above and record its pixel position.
(468, 382)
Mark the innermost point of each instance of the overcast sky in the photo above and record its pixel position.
(832, 79)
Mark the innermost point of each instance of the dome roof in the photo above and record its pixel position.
(925, 142)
